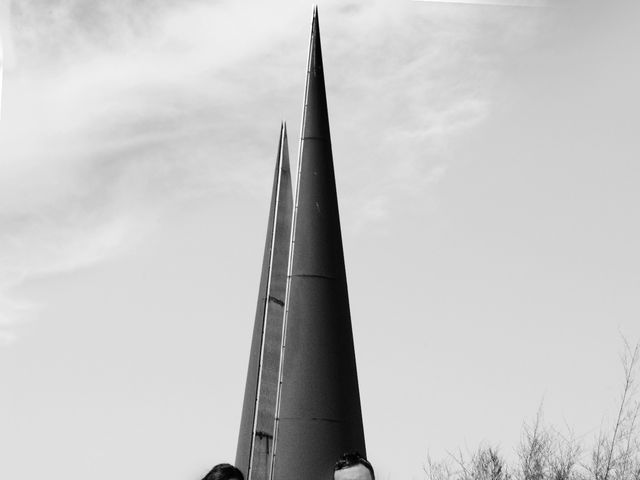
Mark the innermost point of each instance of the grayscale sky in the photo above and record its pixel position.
(487, 164)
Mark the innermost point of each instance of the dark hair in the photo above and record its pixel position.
(224, 471)
(351, 459)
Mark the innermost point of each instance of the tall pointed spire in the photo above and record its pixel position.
(318, 406)
(255, 440)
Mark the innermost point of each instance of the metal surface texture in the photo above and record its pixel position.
(318, 405)
(255, 440)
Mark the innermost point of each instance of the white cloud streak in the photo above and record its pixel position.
(117, 112)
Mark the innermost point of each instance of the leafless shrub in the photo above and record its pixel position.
(535, 451)
(616, 454)
(563, 460)
(487, 464)
(484, 464)
(545, 454)
(438, 470)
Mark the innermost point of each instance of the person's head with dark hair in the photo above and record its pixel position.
(224, 471)
(353, 466)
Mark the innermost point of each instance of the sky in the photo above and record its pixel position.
(487, 170)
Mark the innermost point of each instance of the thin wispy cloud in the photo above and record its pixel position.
(98, 139)
(429, 77)
(118, 113)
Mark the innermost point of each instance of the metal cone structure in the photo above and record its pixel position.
(259, 410)
(318, 408)
(317, 414)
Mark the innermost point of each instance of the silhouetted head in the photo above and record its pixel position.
(353, 466)
(224, 471)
